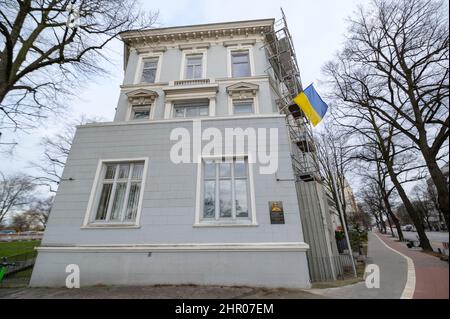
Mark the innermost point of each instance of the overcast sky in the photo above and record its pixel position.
(316, 26)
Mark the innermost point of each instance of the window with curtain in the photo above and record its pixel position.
(140, 112)
(225, 190)
(240, 63)
(191, 109)
(194, 67)
(149, 70)
(244, 106)
(119, 193)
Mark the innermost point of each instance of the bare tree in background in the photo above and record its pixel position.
(38, 212)
(372, 204)
(50, 47)
(374, 171)
(56, 151)
(334, 161)
(397, 59)
(15, 193)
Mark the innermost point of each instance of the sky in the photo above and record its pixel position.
(317, 28)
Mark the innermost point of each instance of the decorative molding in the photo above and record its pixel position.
(194, 46)
(213, 247)
(213, 31)
(191, 92)
(239, 42)
(217, 118)
(145, 50)
(242, 90)
(141, 97)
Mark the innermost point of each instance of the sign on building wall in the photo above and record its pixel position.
(276, 212)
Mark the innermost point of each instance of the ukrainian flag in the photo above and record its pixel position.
(312, 105)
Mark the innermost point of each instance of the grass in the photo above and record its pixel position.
(10, 249)
(17, 247)
(360, 267)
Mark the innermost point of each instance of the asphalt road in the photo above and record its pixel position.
(432, 236)
(436, 238)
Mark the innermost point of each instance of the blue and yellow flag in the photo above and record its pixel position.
(312, 105)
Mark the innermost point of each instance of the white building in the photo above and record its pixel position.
(127, 214)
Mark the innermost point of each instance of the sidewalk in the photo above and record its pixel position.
(393, 276)
(432, 277)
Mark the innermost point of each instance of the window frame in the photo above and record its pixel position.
(195, 66)
(193, 52)
(90, 220)
(217, 221)
(241, 48)
(140, 68)
(237, 100)
(174, 103)
(141, 107)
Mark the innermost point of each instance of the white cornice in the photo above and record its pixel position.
(213, 247)
(154, 122)
(199, 32)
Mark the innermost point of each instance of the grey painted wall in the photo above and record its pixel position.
(255, 269)
(169, 195)
(168, 216)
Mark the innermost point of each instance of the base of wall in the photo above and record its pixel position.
(271, 269)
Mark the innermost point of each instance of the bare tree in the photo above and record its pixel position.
(372, 204)
(15, 193)
(424, 203)
(397, 57)
(50, 46)
(398, 157)
(38, 212)
(56, 151)
(334, 161)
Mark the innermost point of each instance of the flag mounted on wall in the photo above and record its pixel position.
(312, 105)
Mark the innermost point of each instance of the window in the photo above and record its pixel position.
(194, 67)
(243, 106)
(225, 189)
(140, 112)
(191, 109)
(119, 192)
(240, 64)
(149, 70)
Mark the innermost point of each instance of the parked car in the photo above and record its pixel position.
(407, 228)
(7, 231)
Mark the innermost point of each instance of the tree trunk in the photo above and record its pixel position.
(383, 224)
(390, 224)
(412, 212)
(394, 218)
(440, 182)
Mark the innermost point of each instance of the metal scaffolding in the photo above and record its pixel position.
(285, 73)
(315, 214)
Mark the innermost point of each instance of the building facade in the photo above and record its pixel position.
(153, 198)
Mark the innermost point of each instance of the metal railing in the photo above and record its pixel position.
(20, 237)
(19, 262)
